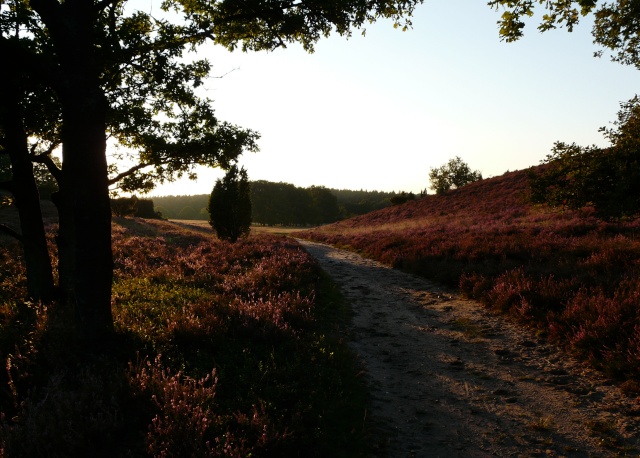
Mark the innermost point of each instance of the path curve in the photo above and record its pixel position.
(448, 379)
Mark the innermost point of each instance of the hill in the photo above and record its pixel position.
(572, 276)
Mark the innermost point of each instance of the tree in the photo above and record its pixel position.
(18, 178)
(454, 174)
(132, 206)
(616, 26)
(230, 205)
(188, 213)
(607, 179)
(106, 70)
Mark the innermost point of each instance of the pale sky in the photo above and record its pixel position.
(377, 112)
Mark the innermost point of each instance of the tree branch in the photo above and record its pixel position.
(45, 158)
(104, 4)
(127, 173)
(49, 12)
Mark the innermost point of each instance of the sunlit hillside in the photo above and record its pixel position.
(569, 274)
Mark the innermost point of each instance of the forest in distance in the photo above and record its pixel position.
(284, 204)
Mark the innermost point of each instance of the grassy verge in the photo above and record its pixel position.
(220, 350)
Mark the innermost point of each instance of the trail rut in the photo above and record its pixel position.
(449, 379)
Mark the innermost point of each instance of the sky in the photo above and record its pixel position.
(378, 112)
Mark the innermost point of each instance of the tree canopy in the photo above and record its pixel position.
(80, 72)
(454, 174)
(616, 24)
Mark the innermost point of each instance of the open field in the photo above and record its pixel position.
(236, 349)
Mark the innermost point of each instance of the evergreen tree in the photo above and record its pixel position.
(230, 205)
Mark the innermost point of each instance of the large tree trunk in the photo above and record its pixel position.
(40, 284)
(85, 257)
(84, 242)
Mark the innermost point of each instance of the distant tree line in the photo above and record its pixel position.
(284, 204)
(354, 203)
(289, 205)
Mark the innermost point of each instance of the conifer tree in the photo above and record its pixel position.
(230, 205)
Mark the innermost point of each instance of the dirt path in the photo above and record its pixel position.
(450, 380)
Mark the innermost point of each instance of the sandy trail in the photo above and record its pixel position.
(448, 379)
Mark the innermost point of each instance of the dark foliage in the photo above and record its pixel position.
(606, 179)
(402, 198)
(132, 206)
(452, 175)
(230, 205)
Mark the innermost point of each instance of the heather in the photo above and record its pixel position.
(568, 274)
(220, 349)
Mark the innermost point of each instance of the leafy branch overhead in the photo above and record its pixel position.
(265, 25)
(616, 24)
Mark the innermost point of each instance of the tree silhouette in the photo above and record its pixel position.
(230, 205)
(104, 70)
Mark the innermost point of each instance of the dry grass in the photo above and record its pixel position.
(277, 230)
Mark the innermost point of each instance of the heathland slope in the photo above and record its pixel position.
(568, 274)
